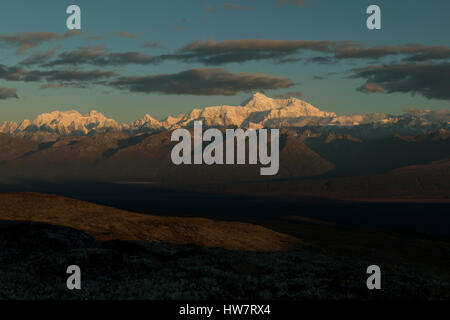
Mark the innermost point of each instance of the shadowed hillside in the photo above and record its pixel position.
(105, 223)
(184, 258)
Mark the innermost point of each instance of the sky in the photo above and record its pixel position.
(165, 57)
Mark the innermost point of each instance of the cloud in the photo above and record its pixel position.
(202, 82)
(99, 47)
(11, 73)
(38, 58)
(27, 40)
(430, 80)
(69, 76)
(66, 76)
(52, 86)
(321, 60)
(209, 9)
(127, 58)
(290, 94)
(124, 34)
(414, 53)
(420, 53)
(235, 7)
(370, 87)
(8, 93)
(212, 52)
(100, 57)
(79, 56)
(72, 33)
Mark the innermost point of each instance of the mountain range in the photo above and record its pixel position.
(259, 111)
(321, 154)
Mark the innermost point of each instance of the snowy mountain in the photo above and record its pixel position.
(259, 111)
(61, 123)
(256, 112)
(141, 125)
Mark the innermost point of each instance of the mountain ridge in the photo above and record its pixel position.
(259, 111)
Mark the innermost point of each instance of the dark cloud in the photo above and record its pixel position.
(321, 60)
(67, 76)
(27, 40)
(370, 87)
(202, 82)
(38, 58)
(235, 7)
(413, 53)
(100, 57)
(99, 47)
(128, 58)
(8, 93)
(212, 52)
(288, 60)
(11, 73)
(430, 80)
(208, 52)
(79, 56)
(421, 53)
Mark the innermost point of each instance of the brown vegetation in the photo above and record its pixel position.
(105, 223)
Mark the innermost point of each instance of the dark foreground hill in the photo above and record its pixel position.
(105, 223)
(328, 262)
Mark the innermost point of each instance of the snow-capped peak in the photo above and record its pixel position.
(62, 123)
(147, 122)
(296, 107)
(259, 100)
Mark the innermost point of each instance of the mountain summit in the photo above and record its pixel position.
(255, 112)
(296, 107)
